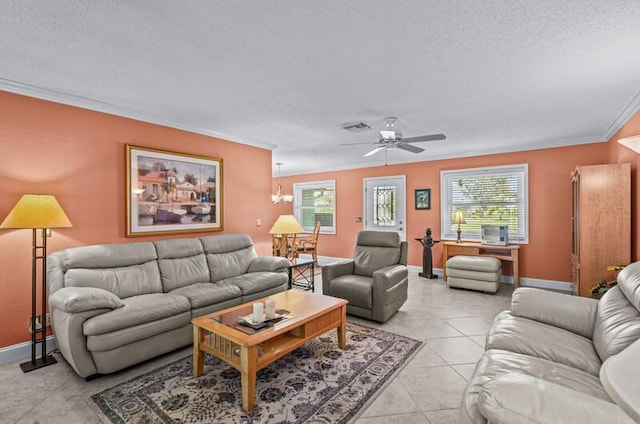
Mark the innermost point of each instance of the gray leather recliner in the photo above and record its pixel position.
(375, 282)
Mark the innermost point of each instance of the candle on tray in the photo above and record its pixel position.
(257, 312)
(270, 308)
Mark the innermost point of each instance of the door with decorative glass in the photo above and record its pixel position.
(385, 204)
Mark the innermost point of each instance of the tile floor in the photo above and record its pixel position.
(453, 324)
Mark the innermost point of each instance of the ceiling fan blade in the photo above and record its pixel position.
(354, 144)
(409, 148)
(374, 151)
(432, 137)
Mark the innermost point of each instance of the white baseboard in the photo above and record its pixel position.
(563, 286)
(22, 351)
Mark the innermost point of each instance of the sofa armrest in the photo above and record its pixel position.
(83, 299)
(71, 307)
(519, 398)
(335, 270)
(268, 263)
(572, 313)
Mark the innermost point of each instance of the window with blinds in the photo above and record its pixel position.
(313, 202)
(493, 195)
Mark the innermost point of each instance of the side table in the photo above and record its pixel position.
(301, 274)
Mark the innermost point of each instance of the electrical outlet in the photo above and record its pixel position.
(47, 321)
(38, 324)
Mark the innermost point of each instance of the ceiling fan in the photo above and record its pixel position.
(391, 138)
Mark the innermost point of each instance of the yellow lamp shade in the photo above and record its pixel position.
(458, 218)
(286, 224)
(36, 211)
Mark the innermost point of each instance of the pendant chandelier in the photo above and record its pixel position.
(279, 197)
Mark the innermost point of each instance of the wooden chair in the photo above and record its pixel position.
(284, 245)
(309, 245)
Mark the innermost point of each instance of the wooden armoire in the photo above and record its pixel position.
(601, 227)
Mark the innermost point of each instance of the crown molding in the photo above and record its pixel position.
(111, 109)
(623, 117)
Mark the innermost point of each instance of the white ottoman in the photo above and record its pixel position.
(474, 272)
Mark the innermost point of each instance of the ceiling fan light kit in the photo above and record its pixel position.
(388, 135)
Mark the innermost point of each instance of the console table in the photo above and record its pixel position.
(509, 253)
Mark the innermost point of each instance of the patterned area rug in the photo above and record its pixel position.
(318, 382)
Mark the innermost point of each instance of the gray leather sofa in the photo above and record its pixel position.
(116, 305)
(555, 358)
(375, 282)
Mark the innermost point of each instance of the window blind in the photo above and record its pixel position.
(491, 195)
(313, 202)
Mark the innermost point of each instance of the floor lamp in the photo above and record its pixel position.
(37, 211)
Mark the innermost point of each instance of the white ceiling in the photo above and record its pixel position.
(493, 75)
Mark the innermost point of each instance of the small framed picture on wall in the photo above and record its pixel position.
(423, 198)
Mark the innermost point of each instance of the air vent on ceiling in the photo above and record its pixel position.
(356, 126)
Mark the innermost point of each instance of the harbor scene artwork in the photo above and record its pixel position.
(171, 192)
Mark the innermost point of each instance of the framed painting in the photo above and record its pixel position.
(423, 198)
(170, 192)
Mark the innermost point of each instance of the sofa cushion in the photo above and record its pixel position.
(522, 399)
(463, 283)
(182, 263)
(135, 333)
(356, 288)
(474, 263)
(573, 313)
(629, 282)
(256, 282)
(496, 362)
(533, 338)
(620, 375)
(617, 324)
(132, 280)
(205, 294)
(109, 255)
(228, 255)
(465, 274)
(137, 310)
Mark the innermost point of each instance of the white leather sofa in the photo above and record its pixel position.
(556, 358)
(116, 305)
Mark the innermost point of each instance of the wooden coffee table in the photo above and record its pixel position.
(217, 334)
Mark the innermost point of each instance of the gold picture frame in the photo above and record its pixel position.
(170, 192)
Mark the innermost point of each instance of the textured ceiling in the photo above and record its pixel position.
(492, 75)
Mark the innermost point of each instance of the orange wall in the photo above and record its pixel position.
(79, 156)
(619, 154)
(547, 254)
